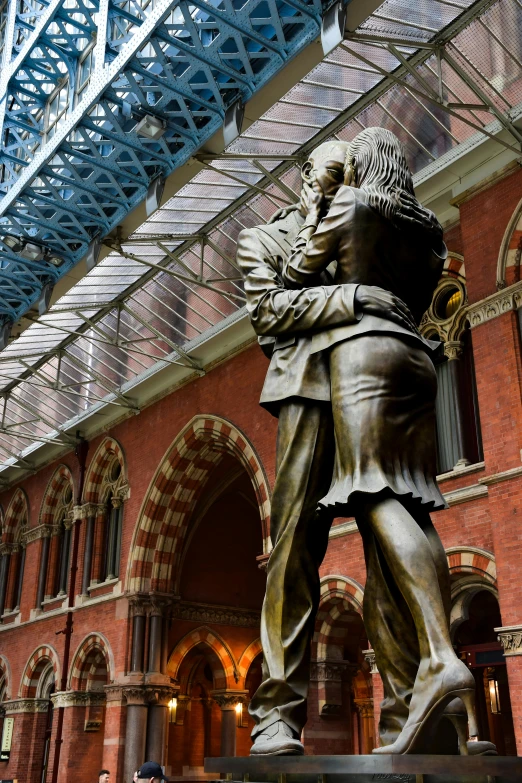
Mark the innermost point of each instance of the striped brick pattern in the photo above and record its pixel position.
(5, 679)
(53, 494)
(34, 668)
(220, 657)
(104, 455)
(16, 515)
(454, 267)
(340, 596)
(465, 560)
(89, 670)
(245, 662)
(173, 494)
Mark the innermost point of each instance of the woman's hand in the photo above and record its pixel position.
(376, 301)
(413, 213)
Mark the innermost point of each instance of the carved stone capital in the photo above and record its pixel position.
(17, 706)
(135, 695)
(113, 694)
(453, 349)
(369, 657)
(510, 637)
(364, 707)
(158, 605)
(331, 670)
(87, 510)
(138, 605)
(160, 694)
(227, 699)
(78, 698)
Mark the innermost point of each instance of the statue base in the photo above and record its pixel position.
(368, 769)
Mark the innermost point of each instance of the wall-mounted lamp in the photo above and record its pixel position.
(494, 697)
(172, 705)
(239, 714)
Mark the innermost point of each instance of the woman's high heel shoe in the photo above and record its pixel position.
(454, 681)
(456, 714)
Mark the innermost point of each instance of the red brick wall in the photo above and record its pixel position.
(232, 390)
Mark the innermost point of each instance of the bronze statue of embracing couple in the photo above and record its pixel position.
(335, 290)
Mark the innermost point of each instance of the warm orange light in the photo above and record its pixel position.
(239, 708)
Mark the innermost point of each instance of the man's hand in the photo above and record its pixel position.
(313, 200)
(377, 301)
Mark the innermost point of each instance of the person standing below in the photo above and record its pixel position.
(150, 772)
(297, 391)
(104, 776)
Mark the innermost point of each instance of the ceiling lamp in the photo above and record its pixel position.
(233, 122)
(32, 252)
(332, 28)
(13, 243)
(151, 127)
(55, 260)
(154, 194)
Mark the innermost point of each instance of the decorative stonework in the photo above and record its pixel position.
(135, 694)
(114, 695)
(160, 694)
(495, 305)
(369, 657)
(453, 349)
(88, 510)
(227, 699)
(34, 533)
(17, 706)
(364, 707)
(510, 637)
(78, 699)
(220, 615)
(331, 670)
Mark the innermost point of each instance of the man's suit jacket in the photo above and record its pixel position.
(292, 317)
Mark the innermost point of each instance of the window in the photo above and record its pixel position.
(110, 562)
(458, 427)
(57, 109)
(63, 544)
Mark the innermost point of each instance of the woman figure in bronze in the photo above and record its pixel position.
(383, 386)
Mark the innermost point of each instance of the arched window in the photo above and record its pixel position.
(55, 523)
(106, 489)
(12, 550)
(458, 426)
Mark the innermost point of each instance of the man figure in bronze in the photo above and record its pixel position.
(297, 390)
(383, 387)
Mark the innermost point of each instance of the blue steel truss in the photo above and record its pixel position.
(183, 62)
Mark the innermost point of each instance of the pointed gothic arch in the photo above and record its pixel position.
(35, 666)
(223, 664)
(173, 493)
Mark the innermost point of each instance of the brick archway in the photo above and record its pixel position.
(472, 560)
(510, 248)
(108, 450)
(247, 658)
(172, 495)
(339, 597)
(34, 667)
(61, 478)
(223, 664)
(17, 514)
(92, 665)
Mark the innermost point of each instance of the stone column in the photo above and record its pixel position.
(450, 395)
(378, 692)
(4, 573)
(114, 734)
(156, 612)
(137, 607)
(227, 701)
(44, 562)
(88, 552)
(365, 710)
(135, 730)
(329, 675)
(158, 698)
(18, 594)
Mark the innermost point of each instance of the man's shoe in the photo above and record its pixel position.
(277, 740)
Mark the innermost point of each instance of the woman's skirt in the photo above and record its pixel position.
(383, 400)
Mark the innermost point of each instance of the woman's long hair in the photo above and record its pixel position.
(380, 169)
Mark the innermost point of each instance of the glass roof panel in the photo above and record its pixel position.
(146, 301)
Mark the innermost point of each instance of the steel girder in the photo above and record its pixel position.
(182, 62)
